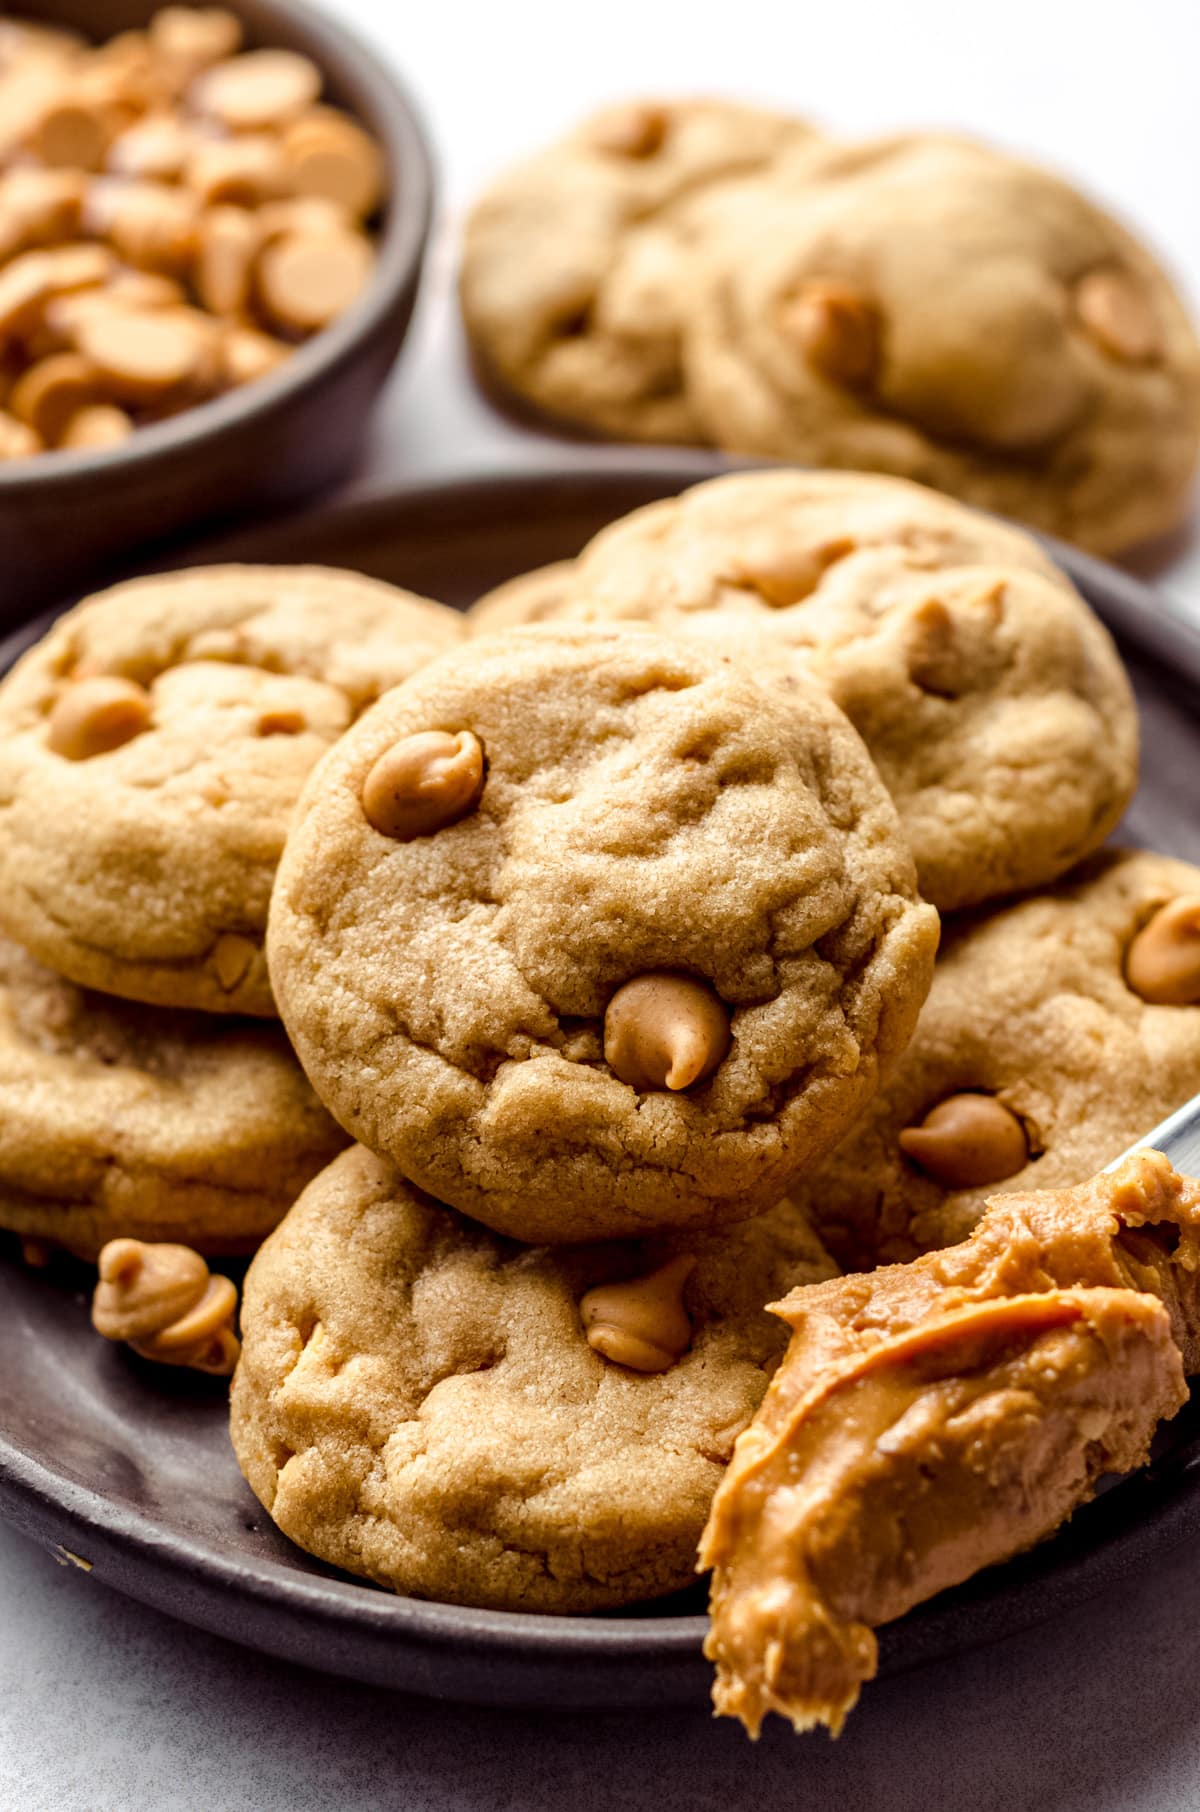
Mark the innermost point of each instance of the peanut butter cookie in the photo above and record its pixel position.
(991, 699)
(933, 308)
(1056, 1033)
(419, 1401)
(591, 934)
(152, 747)
(120, 1121)
(572, 267)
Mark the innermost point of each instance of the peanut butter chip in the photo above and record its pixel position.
(837, 329)
(1163, 963)
(98, 426)
(665, 1031)
(52, 391)
(967, 1141)
(1116, 313)
(96, 715)
(141, 354)
(163, 1302)
(72, 136)
(332, 159)
(783, 574)
(641, 1324)
(232, 956)
(262, 88)
(631, 132)
(424, 783)
(305, 280)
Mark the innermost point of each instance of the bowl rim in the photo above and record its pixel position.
(399, 125)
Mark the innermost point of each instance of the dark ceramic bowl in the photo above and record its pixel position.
(279, 439)
(128, 1472)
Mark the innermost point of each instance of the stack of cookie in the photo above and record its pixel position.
(600, 936)
(919, 305)
(152, 747)
(603, 921)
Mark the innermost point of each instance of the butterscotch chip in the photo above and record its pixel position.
(231, 958)
(193, 37)
(306, 282)
(1163, 961)
(837, 328)
(259, 89)
(143, 354)
(144, 289)
(424, 783)
(47, 395)
(151, 227)
(310, 216)
(143, 1287)
(649, 808)
(228, 246)
(637, 131)
(93, 716)
(96, 426)
(40, 206)
(161, 1300)
(642, 1323)
(967, 1141)
(665, 1031)
(17, 440)
(155, 148)
(330, 157)
(247, 354)
(73, 136)
(246, 171)
(523, 1470)
(31, 281)
(1119, 315)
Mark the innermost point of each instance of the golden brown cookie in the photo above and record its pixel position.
(418, 1400)
(485, 866)
(1032, 1012)
(572, 272)
(118, 1120)
(931, 307)
(152, 747)
(532, 597)
(991, 699)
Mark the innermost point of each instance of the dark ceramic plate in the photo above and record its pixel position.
(129, 1472)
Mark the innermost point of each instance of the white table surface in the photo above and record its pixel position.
(108, 1707)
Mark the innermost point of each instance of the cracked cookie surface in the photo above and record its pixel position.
(645, 807)
(417, 1400)
(117, 1120)
(143, 867)
(990, 697)
(573, 263)
(930, 307)
(1030, 1005)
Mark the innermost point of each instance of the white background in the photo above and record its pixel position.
(105, 1707)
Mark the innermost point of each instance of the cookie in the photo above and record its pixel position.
(572, 269)
(532, 597)
(933, 308)
(118, 1120)
(590, 934)
(1035, 1062)
(990, 697)
(418, 1400)
(152, 747)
